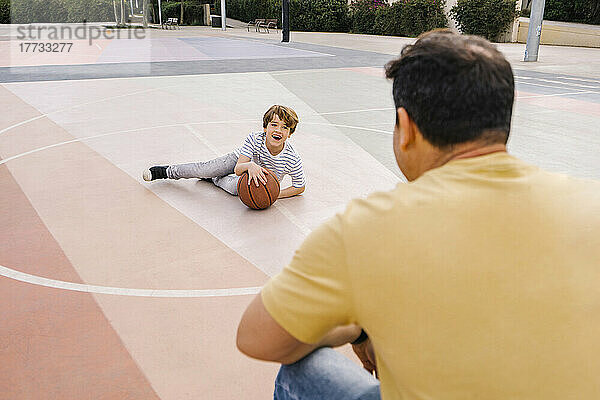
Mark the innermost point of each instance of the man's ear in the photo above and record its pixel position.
(406, 129)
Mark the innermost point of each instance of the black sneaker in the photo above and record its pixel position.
(156, 172)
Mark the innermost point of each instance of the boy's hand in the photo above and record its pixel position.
(256, 173)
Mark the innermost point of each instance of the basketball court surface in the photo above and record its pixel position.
(115, 288)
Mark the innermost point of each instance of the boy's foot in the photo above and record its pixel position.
(156, 172)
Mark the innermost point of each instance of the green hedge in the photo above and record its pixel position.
(367, 16)
(411, 17)
(54, 11)
(487, 18)
(193, 12)
(305, 15)
(583, 11)
(404, 17)
(91, 10)
(249, 10)
(319, 15)
(4, 11)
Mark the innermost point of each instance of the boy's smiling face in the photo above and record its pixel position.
(277, 133)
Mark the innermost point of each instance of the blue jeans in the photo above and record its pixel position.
(325, 375)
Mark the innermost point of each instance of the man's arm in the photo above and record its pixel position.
(260, 336)
(291, 191)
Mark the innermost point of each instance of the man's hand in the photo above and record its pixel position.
(366, 354)
(256, 173)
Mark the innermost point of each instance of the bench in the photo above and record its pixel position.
(171, 22)
(255, 24)
(268, 23)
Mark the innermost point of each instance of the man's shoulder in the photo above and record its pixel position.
(446, 192)
(378, 206)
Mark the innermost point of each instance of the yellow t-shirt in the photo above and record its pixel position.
(479, 280)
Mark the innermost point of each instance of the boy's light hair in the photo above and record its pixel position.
(284, 113)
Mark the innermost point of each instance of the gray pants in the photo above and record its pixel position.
(219, 170)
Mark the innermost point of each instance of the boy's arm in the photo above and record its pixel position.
(255, 171)
(290, 191)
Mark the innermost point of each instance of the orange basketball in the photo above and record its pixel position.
(261, 196)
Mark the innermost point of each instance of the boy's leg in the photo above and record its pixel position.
(228, 183)
(220, 166)
(325, 374)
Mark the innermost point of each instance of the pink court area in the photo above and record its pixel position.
(114, 288)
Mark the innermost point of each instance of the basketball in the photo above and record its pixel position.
(258, 197)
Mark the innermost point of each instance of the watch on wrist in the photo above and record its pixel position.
(361, 338)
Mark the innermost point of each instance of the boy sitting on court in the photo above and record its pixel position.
(267, 149)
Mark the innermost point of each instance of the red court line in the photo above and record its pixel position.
(53, 344)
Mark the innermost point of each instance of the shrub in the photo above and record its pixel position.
(4, 11)
(584, 11)
(56, 11)
(364, 16)
(410, 17)
(487, 18)
(29, 11)
(90, 11)
(249, 10)
(414, 17)
(319, 15)
(305, 15)
(404, 17)
(192, 12)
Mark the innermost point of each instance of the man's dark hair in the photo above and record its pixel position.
(455, 88)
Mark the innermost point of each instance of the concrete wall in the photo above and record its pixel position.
(556, 33)
(562, 33)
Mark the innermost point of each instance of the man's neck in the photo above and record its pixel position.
(468, 150)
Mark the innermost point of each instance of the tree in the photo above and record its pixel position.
(115, 9)
(145, 12)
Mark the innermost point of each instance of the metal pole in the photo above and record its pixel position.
(535, 30)
(285, 20)
(159, 14)
(223, 16)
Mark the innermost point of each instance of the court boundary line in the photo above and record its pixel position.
(97, 289)
(82, 139)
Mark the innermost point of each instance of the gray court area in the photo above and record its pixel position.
(219, 55)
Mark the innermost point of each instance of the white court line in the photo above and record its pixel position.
(559, 82)
(82, 104)
(3, 161)
(202, 139)
(169, 293)
(579, 79)
(293, 218)
(348, 126)
(553, 95)
(548, 86)
(357, 111)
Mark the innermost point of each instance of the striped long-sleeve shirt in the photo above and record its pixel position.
(287, 162)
